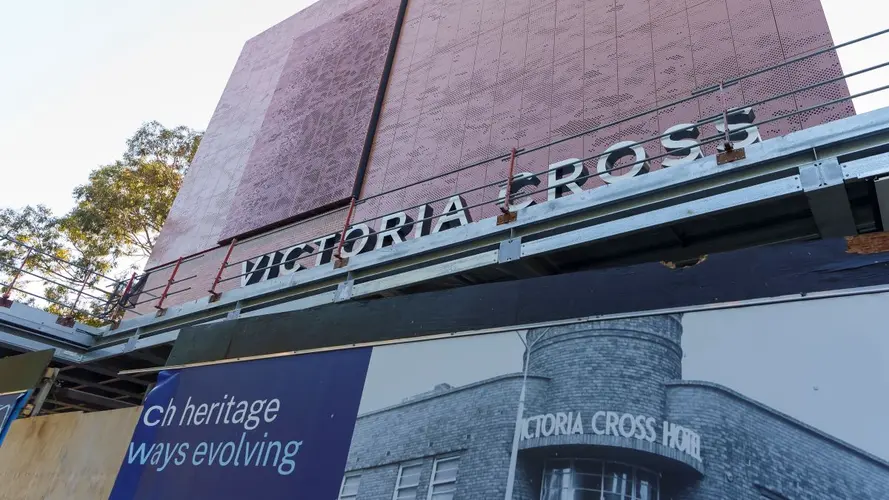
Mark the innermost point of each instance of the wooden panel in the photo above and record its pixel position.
(69, 456)
(24, 371)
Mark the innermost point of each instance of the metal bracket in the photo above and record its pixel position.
(340, 262)
(822, 181)
(730, 155)
(4, 302)
(235, 313)
(510, 250)
(506, 218)
(66, 321)
(344, 290)
(133, 340)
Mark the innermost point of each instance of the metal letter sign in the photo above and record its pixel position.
(277, 428)
(563, 178)
(10, 406)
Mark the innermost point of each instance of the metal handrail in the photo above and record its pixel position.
(696, 95)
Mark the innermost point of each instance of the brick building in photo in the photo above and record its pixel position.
(607, 417)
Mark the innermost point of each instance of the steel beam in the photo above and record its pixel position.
(81, 383)
(91, 399)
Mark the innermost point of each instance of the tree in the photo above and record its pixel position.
(117, 216)
(123, 206)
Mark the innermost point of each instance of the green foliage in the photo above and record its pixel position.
(117, 216)
(123, 206)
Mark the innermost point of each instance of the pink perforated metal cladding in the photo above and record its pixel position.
(474, 78)
(308, 150)
(200, 209)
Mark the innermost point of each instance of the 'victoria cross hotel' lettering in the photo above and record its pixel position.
(609, 423)
(563, 177)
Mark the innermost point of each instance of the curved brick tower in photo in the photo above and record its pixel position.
(587, 370)
(609, 365)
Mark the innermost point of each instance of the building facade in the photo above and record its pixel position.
(398, 103)
(607, 416)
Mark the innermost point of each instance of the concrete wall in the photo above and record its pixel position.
(70, 456)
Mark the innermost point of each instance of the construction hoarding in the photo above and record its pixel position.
(728, 402)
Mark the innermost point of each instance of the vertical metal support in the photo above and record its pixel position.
(214, 295)
(344, 289)
(49, 379)
(729, 153)
(338, 258)
(881, 186)
(4, 300)
(511, 171)
(822, 182)
(133, 340)
(129, 287)
(234, 313)
(520, 412)
(160, 301)
(507, 216)
(727, 138)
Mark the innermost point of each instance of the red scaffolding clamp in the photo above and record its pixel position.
(214, 295)
(338, 260)
(508, 216)
(160, 302)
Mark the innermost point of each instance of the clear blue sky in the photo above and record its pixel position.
(78, 77)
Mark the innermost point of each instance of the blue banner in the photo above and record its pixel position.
(272, 428)
(10, 406)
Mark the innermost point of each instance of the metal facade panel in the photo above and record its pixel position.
(472, 79)
(310, 143)
(208, 192)
(520, 74)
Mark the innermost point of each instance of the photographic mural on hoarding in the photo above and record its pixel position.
(775, 401)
